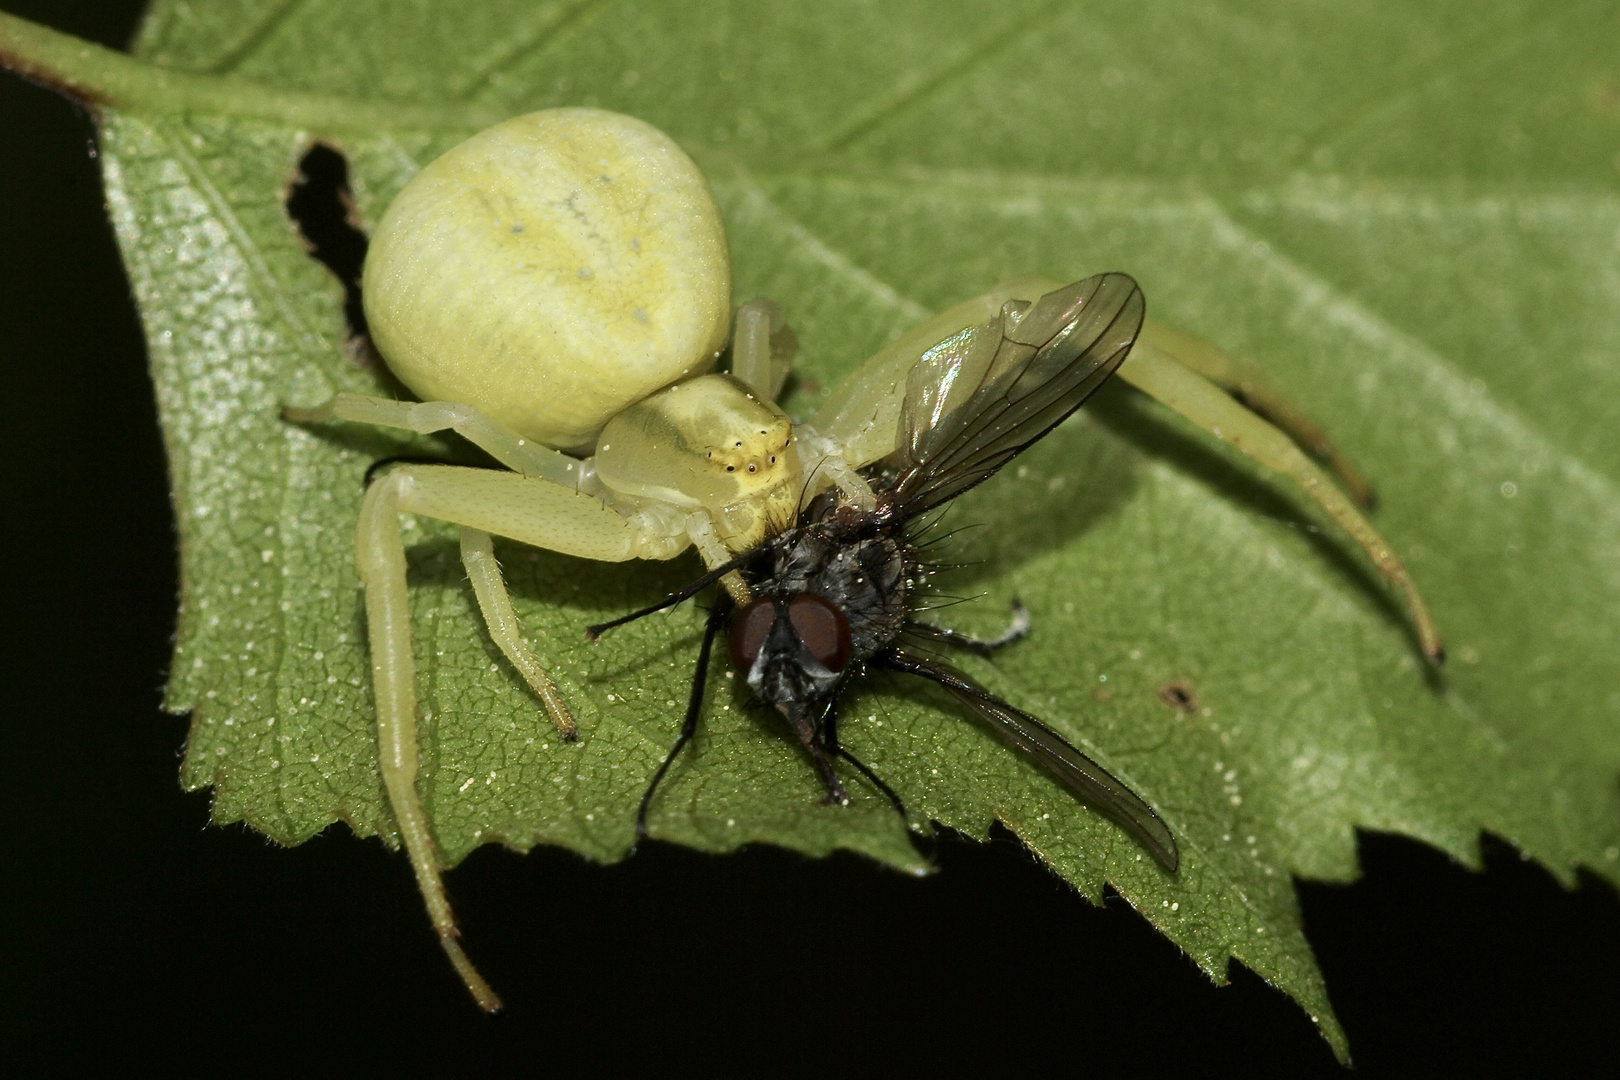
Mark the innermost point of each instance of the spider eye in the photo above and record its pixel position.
(749, 628)
(822, 628)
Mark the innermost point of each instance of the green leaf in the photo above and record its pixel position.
(1406, 216)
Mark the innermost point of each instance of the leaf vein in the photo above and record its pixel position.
(918, 84)
(255, 37)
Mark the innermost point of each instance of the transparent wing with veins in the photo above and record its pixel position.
(984, 395)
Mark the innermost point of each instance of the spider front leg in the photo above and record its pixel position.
(862, 412)
(1250, 388)
(477, 553)
(495, 603)
(1161, 374)
(381, 556)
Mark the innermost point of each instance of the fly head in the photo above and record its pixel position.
(830, 601)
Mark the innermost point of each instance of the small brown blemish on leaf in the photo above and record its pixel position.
(1179, 695)
(1605, 97)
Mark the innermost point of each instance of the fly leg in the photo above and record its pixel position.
(805, 729)
(694, 709)
(829, 742)
(1017, 630)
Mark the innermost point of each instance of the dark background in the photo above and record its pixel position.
(138, 933)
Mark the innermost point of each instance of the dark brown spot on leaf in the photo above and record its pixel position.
(1179, 695)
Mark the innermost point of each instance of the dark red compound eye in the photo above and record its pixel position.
(822, 628)
(749, 628)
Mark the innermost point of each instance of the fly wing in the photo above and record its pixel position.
(983, 396)
(1090, 781)
(1087, 779)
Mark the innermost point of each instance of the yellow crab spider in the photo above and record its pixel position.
(557, 290)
